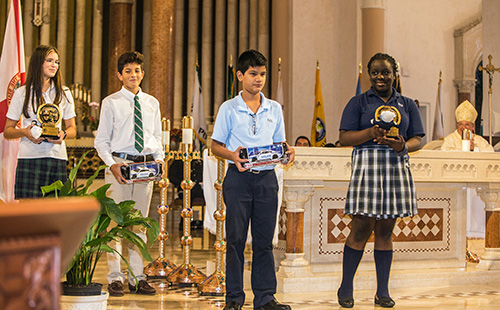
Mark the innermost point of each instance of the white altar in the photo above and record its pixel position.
(432, 242)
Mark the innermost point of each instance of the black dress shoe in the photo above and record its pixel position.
(274, 305)
(115, 289)
(232, 305)
(345, 302)
(142, 288)
(384, 302)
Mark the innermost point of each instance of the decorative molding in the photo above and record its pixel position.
(493, 171)
(312, 167)
(121, 1)
(462, 30)
(421, 170)
(373, 4)
(465, 85)
(33, 264)
(430, 224)
(461, 171)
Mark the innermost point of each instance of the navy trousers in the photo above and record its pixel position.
(250, 198)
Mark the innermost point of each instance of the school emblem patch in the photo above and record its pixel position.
(14, 84)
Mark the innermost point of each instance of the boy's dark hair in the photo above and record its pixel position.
(250, 58)
(130, 58)
(302, 137)
(382, 56)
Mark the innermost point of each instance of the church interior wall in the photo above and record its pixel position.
(491, 43)
(419, 34)
(326, 32)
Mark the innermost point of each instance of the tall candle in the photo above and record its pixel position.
(187, 135)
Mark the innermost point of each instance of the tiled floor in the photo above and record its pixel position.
(473, 296)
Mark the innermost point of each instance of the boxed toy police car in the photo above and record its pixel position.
(141, 172)
(265, 155)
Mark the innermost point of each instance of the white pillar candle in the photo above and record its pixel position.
(187, 135)
(165, 137)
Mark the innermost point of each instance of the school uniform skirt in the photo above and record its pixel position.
(381, 184)
(33, 173)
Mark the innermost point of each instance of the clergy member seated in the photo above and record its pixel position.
(465, 115)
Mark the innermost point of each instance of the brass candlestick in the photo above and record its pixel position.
(161, 267)
(215, 284)
(186, 274)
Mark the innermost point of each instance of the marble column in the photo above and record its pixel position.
(79, 61)
(295, 197)
(491, 197)
(120, 30)
(254, 25)
(220, 60)
(62, 34)
(96, 53)
(146, 39)
(232, 35)
(281, 34)
(161, 80)
(206, 58)
(179, 64)
(45, 26)
(28, 29)
(243, 29)
(263, 29)
(373, 33)
(192, 49)
(465, 88)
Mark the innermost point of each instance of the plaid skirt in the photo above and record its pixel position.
(33, 173)
(381, 184)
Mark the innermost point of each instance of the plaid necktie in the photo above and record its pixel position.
(139, 135)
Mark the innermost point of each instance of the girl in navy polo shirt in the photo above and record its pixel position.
(381, 187)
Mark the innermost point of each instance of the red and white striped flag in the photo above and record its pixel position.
(13, 75)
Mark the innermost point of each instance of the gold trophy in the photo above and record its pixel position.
(388, 118)
(49, 115)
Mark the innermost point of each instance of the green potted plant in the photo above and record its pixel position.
(80, 273)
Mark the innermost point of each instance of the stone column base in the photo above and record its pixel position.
(490, 259)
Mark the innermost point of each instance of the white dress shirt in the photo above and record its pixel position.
(116, 126)
(28, 149)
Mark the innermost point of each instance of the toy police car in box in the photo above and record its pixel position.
(140, 172)
(265, 155)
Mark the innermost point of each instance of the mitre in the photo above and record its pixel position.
(466, 112)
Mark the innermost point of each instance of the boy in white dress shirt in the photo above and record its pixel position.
(118, 144)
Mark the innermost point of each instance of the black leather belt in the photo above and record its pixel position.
(134, 158)
(249, 170)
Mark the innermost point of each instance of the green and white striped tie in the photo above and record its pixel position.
(139, 134)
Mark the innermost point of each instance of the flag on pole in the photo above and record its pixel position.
(231, 87)
(358, 87)
(198, 111)
(438, 130)
(397, 82)
(318, 130)
(13, 75)
(279, 92)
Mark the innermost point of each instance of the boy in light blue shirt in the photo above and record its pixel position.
(250, 120)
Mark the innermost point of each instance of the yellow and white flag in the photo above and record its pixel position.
(318, 130)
